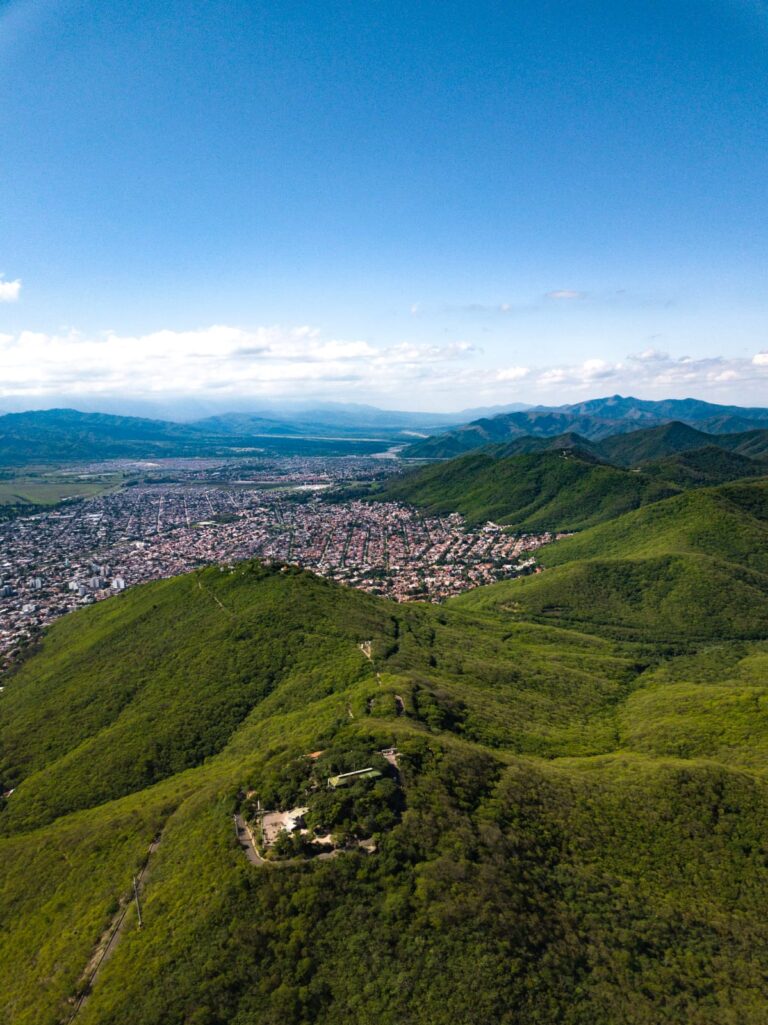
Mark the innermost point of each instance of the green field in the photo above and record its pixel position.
(50, 488)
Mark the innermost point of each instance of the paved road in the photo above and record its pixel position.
(245, 839)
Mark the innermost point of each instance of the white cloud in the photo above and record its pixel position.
(9, 290)
(512, 373)
(565, 294)
(656, 374)
(650, 356)
(268, 361)
(273, 362)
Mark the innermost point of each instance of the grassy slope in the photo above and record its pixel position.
(540, 491)
(729, 523)
(695, 565)
(139, 720)
(583, 838)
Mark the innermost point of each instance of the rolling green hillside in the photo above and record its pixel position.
(569, 483)
(693, 566)
(694, 455)
(653, 443)
(659, 598)
(729, 523)
(749, 443)
(562, 490)
(704, 467)
(582, 820)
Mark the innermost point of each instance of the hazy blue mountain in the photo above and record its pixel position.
(594, 419)
(688, 410)
(57, 435)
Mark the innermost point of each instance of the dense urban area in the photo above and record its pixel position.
(174, 515)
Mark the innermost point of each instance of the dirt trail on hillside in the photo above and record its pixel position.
(367, 649)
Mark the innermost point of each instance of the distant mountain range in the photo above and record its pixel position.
(55, 435)
(594, 420)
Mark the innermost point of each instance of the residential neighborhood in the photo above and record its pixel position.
(203, 512)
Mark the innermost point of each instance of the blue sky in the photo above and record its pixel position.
(427, 205)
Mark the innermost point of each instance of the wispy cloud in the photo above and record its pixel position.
(275, 361)
(512, 373)
(484, 309)
(565, 294)
(656, 373)
(9, 290)
(264, 361)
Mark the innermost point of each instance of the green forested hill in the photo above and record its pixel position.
(583, 830)
(638, 448)
(706, 466)
(562, 443)
(695, 565)
(563, 490)
(654, 443)
(729, 523)
(569, 483)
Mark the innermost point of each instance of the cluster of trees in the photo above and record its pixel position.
(362, 808)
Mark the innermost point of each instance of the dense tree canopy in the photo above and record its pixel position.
(577, 831)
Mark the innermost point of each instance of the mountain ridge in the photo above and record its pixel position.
(595, 419)
(57, 435)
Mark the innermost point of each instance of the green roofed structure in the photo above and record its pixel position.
(345, 779)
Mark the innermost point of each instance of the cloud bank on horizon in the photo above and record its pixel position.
(223, 363)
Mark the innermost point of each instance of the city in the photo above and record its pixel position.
(182, 514)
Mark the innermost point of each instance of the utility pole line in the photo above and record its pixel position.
(138, 902)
